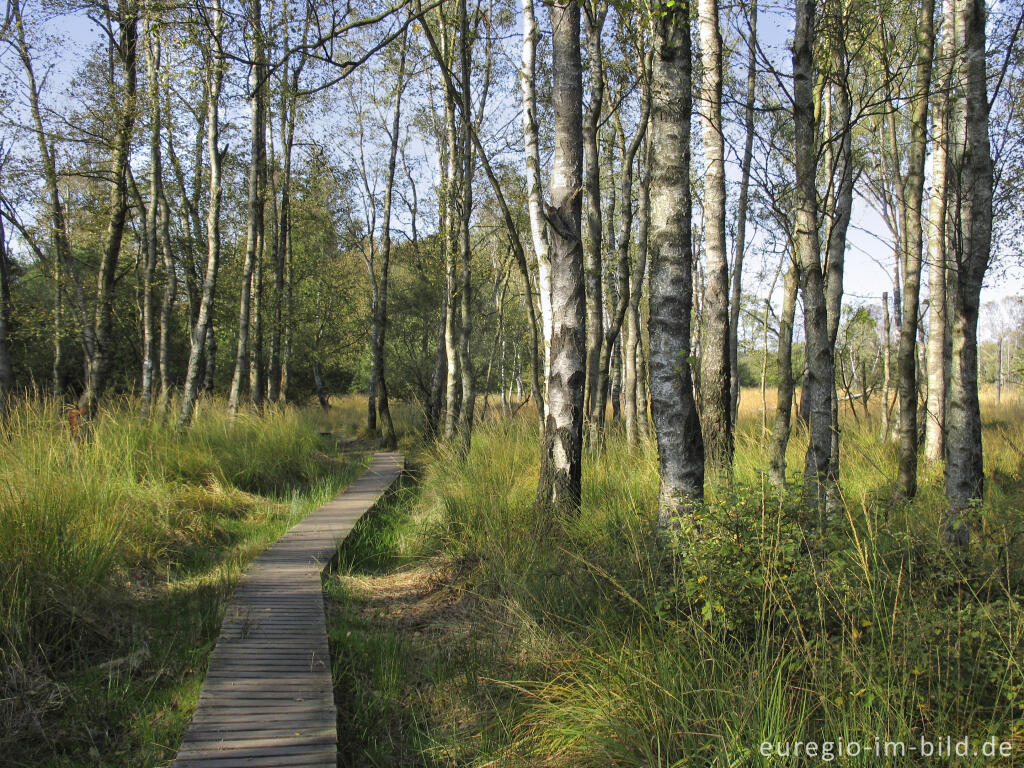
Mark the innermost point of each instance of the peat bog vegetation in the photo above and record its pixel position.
(696, 322)
(468, 629)
(118, 550)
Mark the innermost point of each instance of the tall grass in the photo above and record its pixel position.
(121, 542)
(606, 647)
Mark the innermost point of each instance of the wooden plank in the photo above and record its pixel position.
(267, 699)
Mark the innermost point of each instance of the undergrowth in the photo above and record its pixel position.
(118, 548)
(595, 642)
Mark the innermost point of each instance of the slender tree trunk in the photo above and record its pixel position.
(742, 206)
(841, 208)
(127, 23)
(622, 288)
(938, 324)
(821, 484)
(531, 147)
(784, 407)
(453, 390)
(435, 402)
(596, 12)
(58, 331)
(210, 353)
(257, 370)
(999, 370)
(964, 462)
(562, 448)
(466, 251)
(764, 367)
(674, 412)
(914, 189)
(381, 315)
(716, 389)
(170, 293)
(203, 326)
(635, 407)
(6, 369)
(886, 366)
(254, 229)
(152, 234)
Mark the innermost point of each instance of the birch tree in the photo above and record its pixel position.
(912, 242)
(715, 388)
(127, 18)
(821, 484)
(673, 409)
(152, 248)
(562, 446)
(215, 68)
(964, 462)
(256, 192)
(596, 13)
(534, 193)
(938, 337)
(742, 208)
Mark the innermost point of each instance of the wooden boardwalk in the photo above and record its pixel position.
(267, 699)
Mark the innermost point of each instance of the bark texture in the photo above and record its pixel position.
(673, 409)
(938, 335)
(716, 390)
(562, 446)
(597, 11)
(912, 242)
(534, 193)
(784, 407)
(964, 462)
(820, 482)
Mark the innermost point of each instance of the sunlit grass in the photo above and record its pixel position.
(594, 645)
(118, 549)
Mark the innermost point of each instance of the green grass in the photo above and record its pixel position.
(471, 631)
(117, 554)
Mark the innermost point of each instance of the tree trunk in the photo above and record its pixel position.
(152, 235)
(466, 251)
(435, 401)
(621, 290)
(254, 229)
(886, 366)
(381, 314)
(170, 293)
(964, 462)
(784, 407)
(203, 326)
(531, 148)
(6, 369)
(821, 484)
(96, 381)
(938, 323)
(741, 213)
(257, 370)
(716, 390)
(912, 228)
(635, 408)
(453, 389)
(841, 209)
(562, 448)
(674, 412)
(596, 12)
